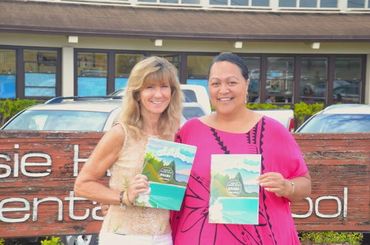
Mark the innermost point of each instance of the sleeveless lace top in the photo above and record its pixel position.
(132, 220)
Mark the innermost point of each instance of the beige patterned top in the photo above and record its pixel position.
(132, 220)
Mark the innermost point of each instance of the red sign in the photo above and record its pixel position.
(37, 172)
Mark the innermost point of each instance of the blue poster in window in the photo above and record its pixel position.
(40, 84)
(7, 86)
(120, 83)
(92, 86)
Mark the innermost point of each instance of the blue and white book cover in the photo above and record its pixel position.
(167, 165)
(234, 197)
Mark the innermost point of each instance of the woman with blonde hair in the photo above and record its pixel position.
(151, 108)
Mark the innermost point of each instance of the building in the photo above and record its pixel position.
(297, 50)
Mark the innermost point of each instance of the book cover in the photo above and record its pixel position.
(167, 165)
(234, 197)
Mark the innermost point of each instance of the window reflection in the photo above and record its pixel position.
(174, 59)
(356, 3)
(329, 3)
(218, 2)
(279, 82)
(124, 65)
(308, 3)
(197, 69)
(253, 64)
(347, 83)
(287, 3)
(239, 2)
(313, 80)
(92, 74)
(40, 73)
(7, 74)
(260, 3)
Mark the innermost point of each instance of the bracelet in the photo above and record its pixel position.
(293, 187)
(121, 199)
(126, 200)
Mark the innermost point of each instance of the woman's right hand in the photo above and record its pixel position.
(139, 184)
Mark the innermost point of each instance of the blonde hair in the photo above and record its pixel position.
(152, 69)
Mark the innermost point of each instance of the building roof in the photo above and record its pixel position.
(176, 23)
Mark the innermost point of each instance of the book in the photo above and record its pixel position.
(234, 197)
(167, 165)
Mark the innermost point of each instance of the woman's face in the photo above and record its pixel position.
(227, 86)
(155, 97)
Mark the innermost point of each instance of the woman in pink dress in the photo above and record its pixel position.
(234, 129)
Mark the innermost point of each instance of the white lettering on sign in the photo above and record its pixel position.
(7, 169)
(24, 164)
(76, 160)
(342, 208)
(10, 207)
(14, 200)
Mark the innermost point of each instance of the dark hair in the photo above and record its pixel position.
(234, 59)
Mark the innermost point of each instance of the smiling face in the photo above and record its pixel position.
(155, 96)
(227, 87)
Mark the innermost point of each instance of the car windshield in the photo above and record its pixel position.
(61, 120)
(191, 112)
(338, 123)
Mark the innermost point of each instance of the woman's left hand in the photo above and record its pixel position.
(276, 183)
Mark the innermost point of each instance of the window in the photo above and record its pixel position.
(279, 78)
(239, 2)
(261, 3)
(287, 3)
(190, 1)
(169, 1)
(40, 73)
(7, 73)
(329, 3)
(92, 74)
(356, 4)
(347, 83)
(124, 65)
(308, 3)
(174, 59)
(313, 80)
(197, 70)
(253, 64)
(218, 2)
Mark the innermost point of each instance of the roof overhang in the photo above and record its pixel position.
(175, 23)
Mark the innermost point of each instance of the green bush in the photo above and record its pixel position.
(302, 111)
(51, 241)
(8, 107)
(327, 237)
(266, 106)
(2, 241)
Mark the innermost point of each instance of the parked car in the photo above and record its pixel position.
(339, 118)
(68, 114)
(284, 116)
(79, 114)
(192, 93)
(94, 114)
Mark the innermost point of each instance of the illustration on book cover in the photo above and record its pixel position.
(167, 165)
(234, 197)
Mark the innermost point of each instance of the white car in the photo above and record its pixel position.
(192, 93)
(339, 118)
(67, 114)
(95, 114)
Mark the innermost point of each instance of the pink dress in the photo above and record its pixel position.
(280, 153)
